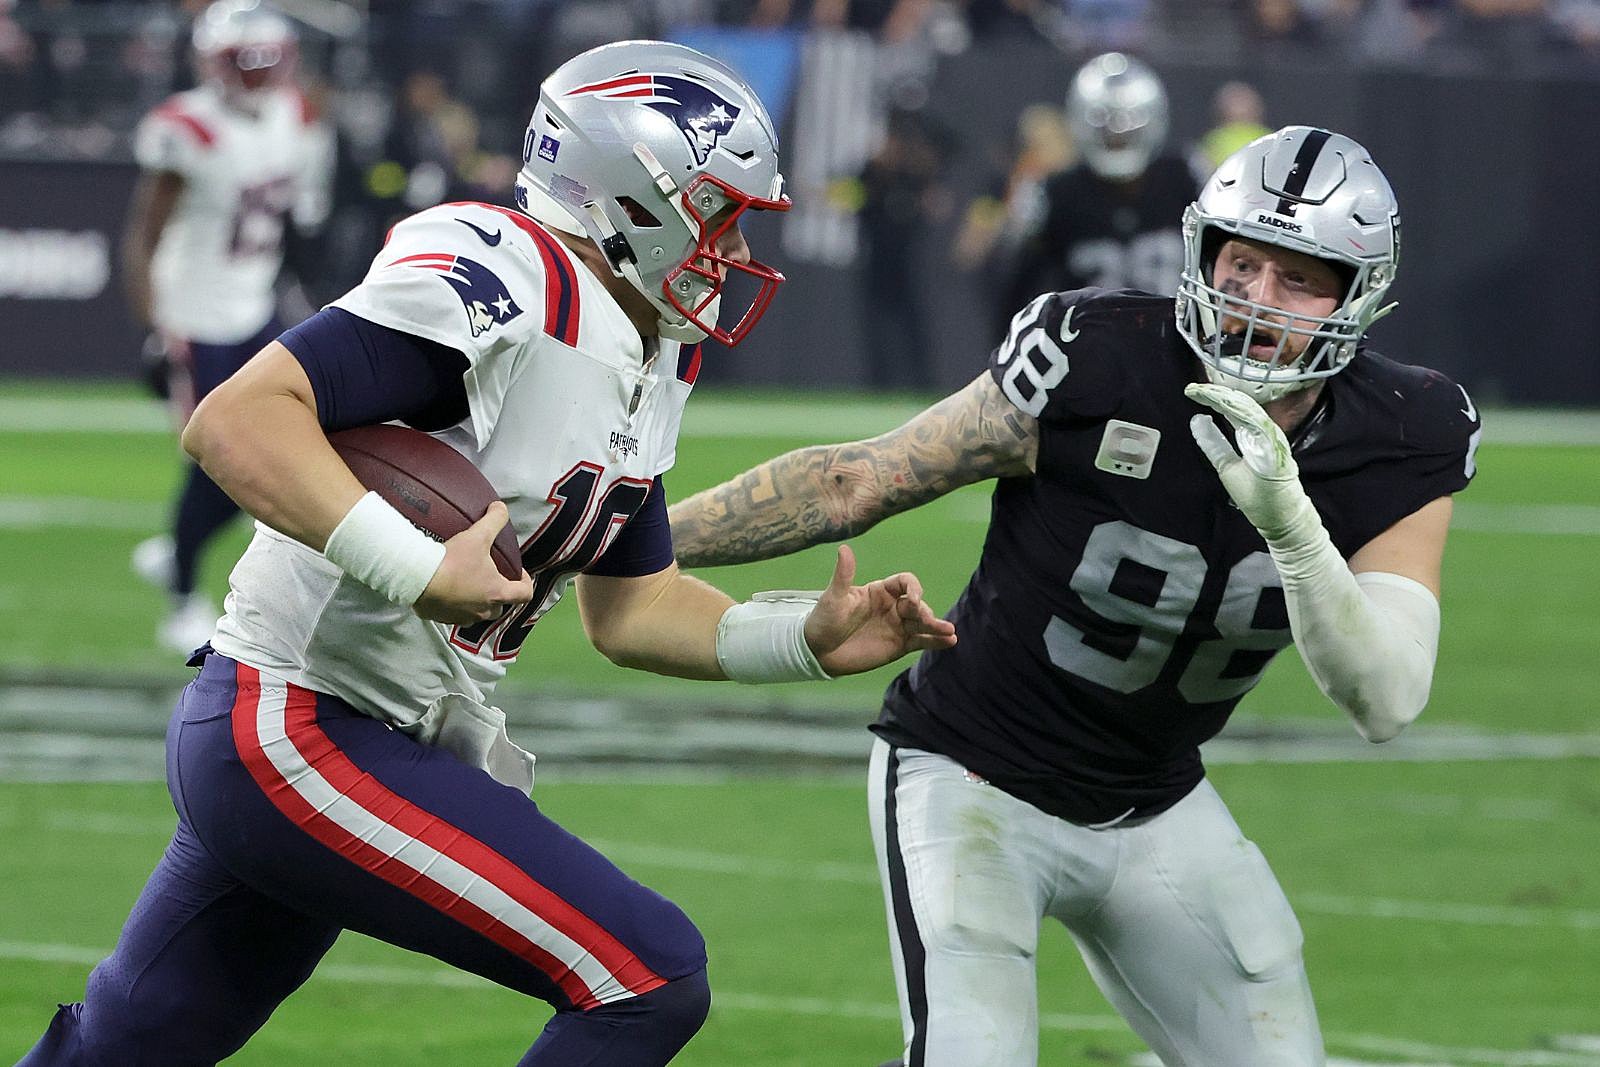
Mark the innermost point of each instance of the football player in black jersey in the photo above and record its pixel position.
(1112, 220)
(1145, 558)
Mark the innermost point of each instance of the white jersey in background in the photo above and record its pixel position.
(220, 251)
(567, 419)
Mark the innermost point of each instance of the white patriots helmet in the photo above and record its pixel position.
(1117, 108)
(244, 46)
(1311, 191)
(637, 146)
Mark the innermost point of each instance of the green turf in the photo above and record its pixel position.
(795, 932)
(778, 873)
(1490, 668)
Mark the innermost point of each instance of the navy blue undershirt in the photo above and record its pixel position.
(645, 544)
(363, 373)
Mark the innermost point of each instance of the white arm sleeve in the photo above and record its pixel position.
(1370, 640)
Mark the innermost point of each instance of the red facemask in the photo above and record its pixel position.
(711, 265)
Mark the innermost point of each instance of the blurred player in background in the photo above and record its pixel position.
(997, 222)
(224, 166)
(1141, 568)
(336, 764)
(1111, 220)
(1240, 115)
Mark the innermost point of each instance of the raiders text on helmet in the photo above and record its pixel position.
(1311, 191)
(1117, 108)
(639, 146)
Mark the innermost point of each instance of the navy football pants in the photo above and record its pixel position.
(202, 507)
(299, 817)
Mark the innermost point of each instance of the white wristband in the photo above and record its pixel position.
(764, 640)
(379, 547)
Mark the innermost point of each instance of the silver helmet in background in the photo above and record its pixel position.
(1311, 191)
(639, 146)
(1117, 108)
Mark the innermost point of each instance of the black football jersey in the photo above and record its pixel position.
(1122, 604)
(1109, 235)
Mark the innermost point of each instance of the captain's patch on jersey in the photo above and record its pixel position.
(485, 297)
(1128, 449)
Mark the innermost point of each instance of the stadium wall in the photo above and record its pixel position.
(1497, 178)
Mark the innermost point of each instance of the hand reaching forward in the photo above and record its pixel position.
(1262, 477)
(855, 628)
(468, 587)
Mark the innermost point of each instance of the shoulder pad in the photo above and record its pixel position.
(1434, 413)
(1059, 358)
(488, 255)
(173, 136)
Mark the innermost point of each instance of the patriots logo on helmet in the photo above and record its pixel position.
(702, 116)
(485, 297)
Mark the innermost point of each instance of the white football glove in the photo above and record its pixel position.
(1369, 640)
(1262, 477)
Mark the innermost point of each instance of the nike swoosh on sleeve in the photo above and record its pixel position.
(1068, 334)
(490, 239)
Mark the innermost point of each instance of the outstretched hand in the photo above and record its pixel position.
(1262, 476)
(855, 628)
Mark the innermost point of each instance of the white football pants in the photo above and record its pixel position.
(1179, 918)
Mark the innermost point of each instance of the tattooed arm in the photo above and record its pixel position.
(831, 492)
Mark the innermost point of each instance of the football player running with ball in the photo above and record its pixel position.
(336, 765)
(1177, 501)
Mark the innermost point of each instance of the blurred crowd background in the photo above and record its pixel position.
(918, 134)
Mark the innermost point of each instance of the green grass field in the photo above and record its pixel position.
(1450, 893)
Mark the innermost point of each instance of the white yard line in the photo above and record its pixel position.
(701, 862)
(1419, 1054)
(1525, 519)
(1438, 912)
(45, 757)
(86, 513)
(1577, 1043)
(828, 417)
(636, 854)
(1506, 809)
(820, 417)
(21, 414)
(1453, 807)
(74, 749)
(1388, 1046)
(1149, 1059)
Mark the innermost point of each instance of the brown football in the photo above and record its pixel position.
(428, 482)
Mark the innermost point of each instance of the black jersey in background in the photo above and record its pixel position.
(1105, 234)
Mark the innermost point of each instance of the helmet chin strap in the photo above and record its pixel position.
(619, 255)
(674, 326)
(680, 328)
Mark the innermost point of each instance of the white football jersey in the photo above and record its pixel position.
(567, 421)
(221, 248)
